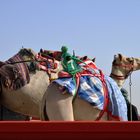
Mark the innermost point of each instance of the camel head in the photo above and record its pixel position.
(122, 67)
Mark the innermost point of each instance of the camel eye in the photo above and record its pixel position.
(130, 60)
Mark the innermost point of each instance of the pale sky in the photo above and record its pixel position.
(97, 28)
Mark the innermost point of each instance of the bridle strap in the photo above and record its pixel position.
(118, 77)
(130, 90)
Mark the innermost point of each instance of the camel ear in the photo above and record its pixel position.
(120, 57)
(93, 60)
(115, 56)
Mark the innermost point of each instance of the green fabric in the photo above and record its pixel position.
(70, 62)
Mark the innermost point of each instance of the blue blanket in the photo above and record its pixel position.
(91, 90)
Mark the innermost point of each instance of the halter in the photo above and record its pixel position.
(125, 66)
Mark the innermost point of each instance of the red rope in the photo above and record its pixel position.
(106, 99)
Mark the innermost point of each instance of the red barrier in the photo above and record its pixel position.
(39, 130)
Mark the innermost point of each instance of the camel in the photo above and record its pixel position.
(62, 106)
(122, 67)
(25, 97)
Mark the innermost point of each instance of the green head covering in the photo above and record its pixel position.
(64, 49)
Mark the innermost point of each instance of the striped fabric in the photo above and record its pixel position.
(91, 90)
(14, 76)
(22, 67)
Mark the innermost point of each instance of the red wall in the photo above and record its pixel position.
(40, 130)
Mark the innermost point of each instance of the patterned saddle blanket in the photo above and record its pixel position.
(14, 76)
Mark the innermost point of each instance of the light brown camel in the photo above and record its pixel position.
(25, 99)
